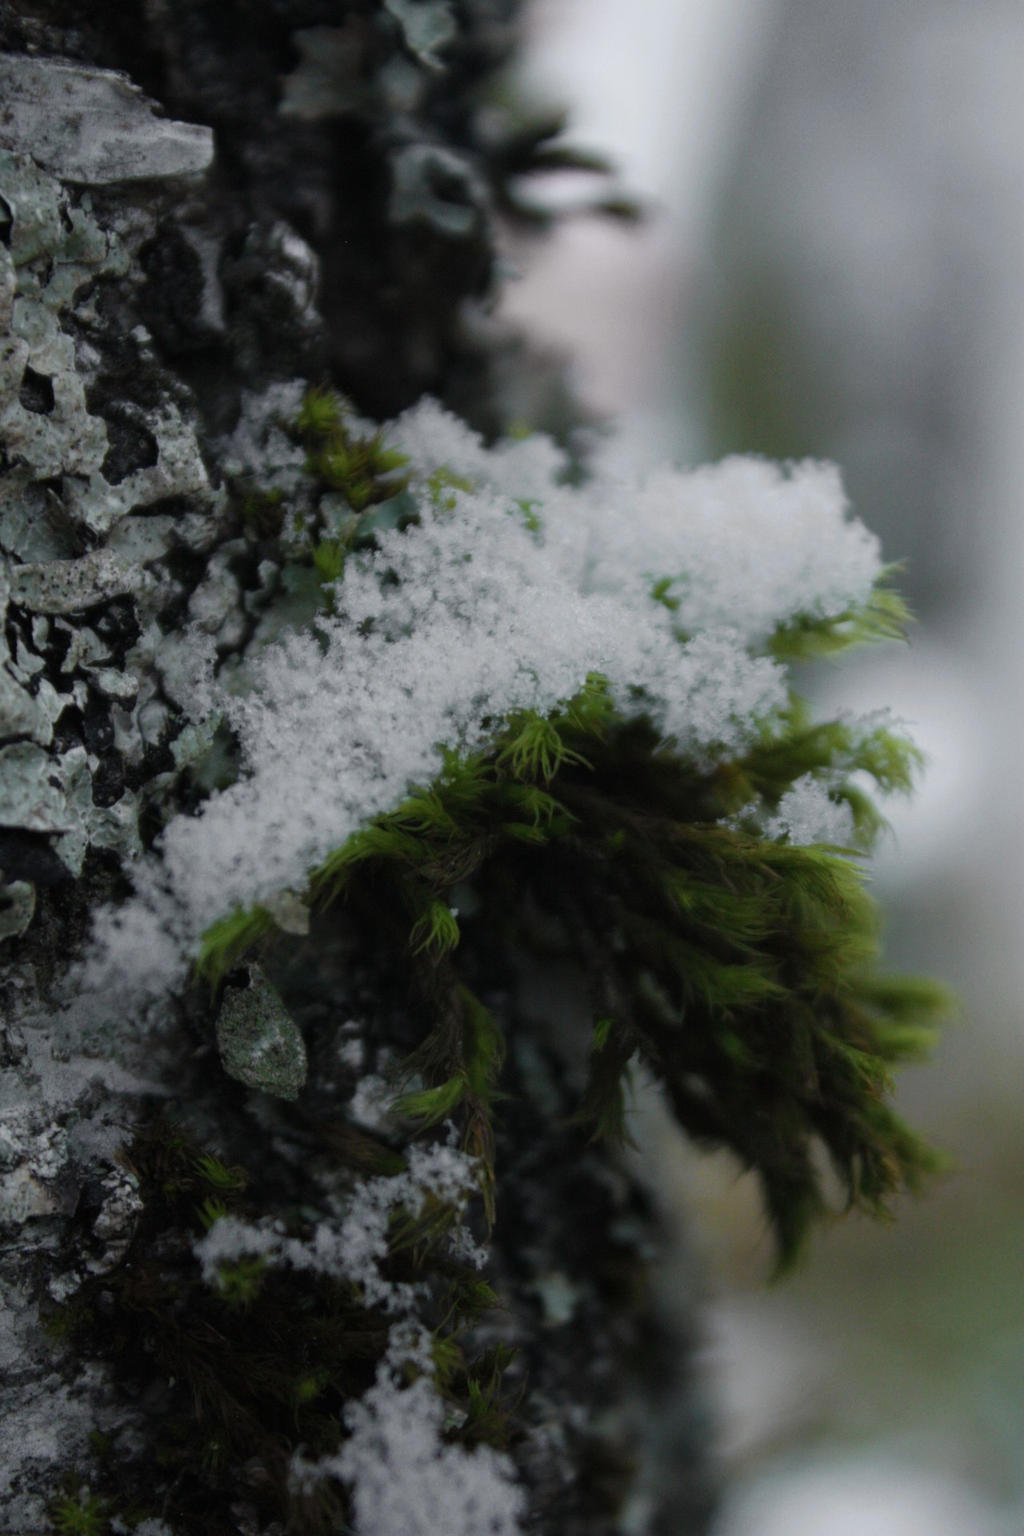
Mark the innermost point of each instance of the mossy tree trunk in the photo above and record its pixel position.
(205, 212)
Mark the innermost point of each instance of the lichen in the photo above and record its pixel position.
(105, 132)
(258, 1040)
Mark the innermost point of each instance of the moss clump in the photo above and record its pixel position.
(80, 1514)
(361, 468)
(740, 968)
(243, 1372)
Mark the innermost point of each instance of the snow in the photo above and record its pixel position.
(406, 1481)
(352, 1247)
(806, 815)
(479, 610)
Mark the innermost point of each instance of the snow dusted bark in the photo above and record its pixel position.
(205, 212)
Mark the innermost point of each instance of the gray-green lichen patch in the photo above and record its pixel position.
(17, 912)
(436, 186)
(426, 28)
(332, 78)
(91, 826)
(81, 571)
(20, 713)
(34, 524)
(31, 794)
(326, 81)
(43, 793)
(178, 471)
(24, 1196)
(68, 586)
(93, 127)
(259, 1041)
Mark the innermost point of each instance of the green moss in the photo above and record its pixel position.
(240, 1283)
(441, 486)
(82, 1514)
(362, 468)
(261, 1362)
(329, 560)
(742, 971)
(262, 513)
(884, 617)
(537, 749)
(227, 941)
(436, 929)
(218, 1175)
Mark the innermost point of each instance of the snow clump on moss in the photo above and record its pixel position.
(405, 1479)
(508, 590)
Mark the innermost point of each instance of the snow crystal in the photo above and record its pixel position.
(405, 1480)
(371, 1101)
(259, 447)
(504, 597)
(806, 814)
(353, 1247)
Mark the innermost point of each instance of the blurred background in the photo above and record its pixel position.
(833, 266)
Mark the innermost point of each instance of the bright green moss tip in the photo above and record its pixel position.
(885, 616)
(226, 942)
(741, 970)
(81, 1515)
(361, 467)
(436, 930)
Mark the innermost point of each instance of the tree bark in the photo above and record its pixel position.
(205, 212)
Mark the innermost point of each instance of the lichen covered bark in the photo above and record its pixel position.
(205, 212)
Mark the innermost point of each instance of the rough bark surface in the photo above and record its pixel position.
(205, 211)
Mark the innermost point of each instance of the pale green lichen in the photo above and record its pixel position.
(427, 28)
(18, 913)
(68, 586)
(30, 790)
(259, 1042)
(107, 131)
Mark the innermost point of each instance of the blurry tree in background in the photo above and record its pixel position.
(861, 299)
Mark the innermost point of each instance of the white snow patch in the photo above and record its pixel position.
(353, 1247)
(451, 625)
(405, 1480)
(806, 814)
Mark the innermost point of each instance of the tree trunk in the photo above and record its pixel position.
(206, 213)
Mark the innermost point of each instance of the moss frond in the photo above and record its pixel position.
(210, 1212)
(362, 469)
(240, 1281)
(885, 616)
(320, 414)
(84, 1514)
(218, 1175)
(227, 941)
(603, 1106)
(436, 930)
(329, 560)
(535, 748)
(429, 1106)
(739, 969)
(527, 510)
(442, 486)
